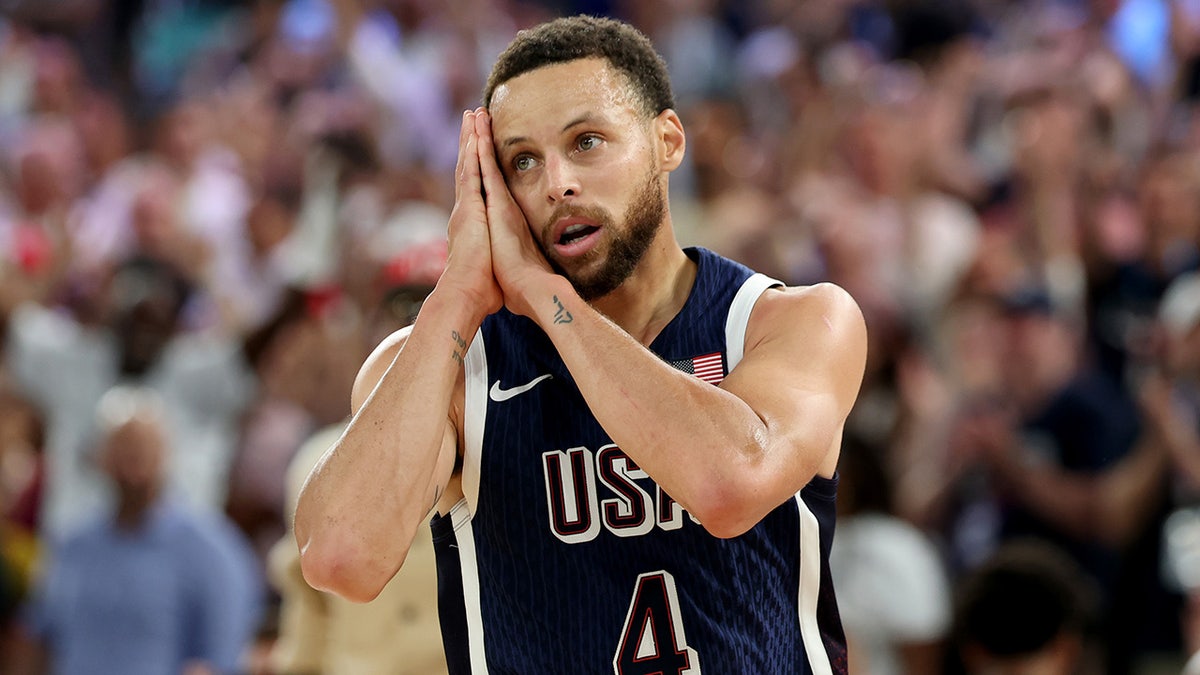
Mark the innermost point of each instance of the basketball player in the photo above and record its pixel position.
(630, 446)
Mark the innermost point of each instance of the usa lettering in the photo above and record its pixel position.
(578, 508)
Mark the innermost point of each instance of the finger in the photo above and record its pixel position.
(469, 181)
(493, 180)
(464, 131)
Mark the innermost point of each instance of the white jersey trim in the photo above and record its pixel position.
(739, 315)
(810, 590)
(464, 536)
(475, 415)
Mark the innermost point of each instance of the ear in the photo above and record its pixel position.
(669, 137)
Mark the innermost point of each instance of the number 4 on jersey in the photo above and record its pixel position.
(653, 642)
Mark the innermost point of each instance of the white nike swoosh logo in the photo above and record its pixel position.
(499, 394)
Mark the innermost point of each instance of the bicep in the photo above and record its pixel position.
(446, 466)
(804, 363)
(375, 366)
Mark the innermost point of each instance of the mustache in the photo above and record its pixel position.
(595, 214)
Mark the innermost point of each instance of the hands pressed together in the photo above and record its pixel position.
(493, 260)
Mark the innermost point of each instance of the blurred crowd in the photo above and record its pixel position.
(223, 205)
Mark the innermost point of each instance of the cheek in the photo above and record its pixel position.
(530, 197)
(533, 209)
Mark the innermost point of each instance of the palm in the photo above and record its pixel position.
(469, 264)
(517, 260)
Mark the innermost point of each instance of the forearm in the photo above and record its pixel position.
(1130, 492)
(1107, 507)
(363, 502)
(925, 468)
(702, 444)
(1068, 501)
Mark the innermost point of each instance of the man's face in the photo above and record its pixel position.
(145, 315)
(133, 456)
(581, 161)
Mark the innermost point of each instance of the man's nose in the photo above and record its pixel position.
(562, 181)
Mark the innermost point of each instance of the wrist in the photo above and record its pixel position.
(552, 301)
(462, 302)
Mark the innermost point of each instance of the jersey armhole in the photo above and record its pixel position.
(739, 315)
(474, 415)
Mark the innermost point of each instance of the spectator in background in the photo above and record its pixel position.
(22, 475)
(1066, 450)
(65, 368)
(150, 587)
(1171, 398)
(1137, 256)
(893, 589)
(322, 634)
(256, 288)
(305, 362)
(1173, 392)
(398, 632)
(203, 199)
(1026, 610)
(22, 435)
(34, 244)
(273, 147)
(100, 230)
(421, 63)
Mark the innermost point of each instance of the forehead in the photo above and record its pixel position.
(554, 95)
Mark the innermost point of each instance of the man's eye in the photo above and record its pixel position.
(523, 163)
(588, 142)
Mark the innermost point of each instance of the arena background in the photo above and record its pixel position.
(1010, 189)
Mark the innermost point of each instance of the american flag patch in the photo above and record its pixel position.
(710, 367)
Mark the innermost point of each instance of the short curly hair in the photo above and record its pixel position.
(581, 37)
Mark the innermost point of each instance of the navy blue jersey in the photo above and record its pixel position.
(565, 557)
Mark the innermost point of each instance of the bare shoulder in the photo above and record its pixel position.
(804, 339)
(817, 313)
(376, 365)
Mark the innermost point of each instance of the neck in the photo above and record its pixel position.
(1045, 382)
(655, 292)
(134, 507)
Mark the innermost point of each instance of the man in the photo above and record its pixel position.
(321, 634)
(1027, 609)
(601, 505)
(398, 632)
(65, 364)
(150, 587)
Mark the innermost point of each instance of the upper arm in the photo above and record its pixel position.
(373, 370)
(375, 366)
(804, 361)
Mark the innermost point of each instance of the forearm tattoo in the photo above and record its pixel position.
(462, 347)
(561, 315)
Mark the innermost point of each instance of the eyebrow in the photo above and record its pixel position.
(582, 119)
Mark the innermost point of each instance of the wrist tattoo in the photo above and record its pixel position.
(561, 315)
(462, 345)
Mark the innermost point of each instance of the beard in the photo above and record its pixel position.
(626, 248)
